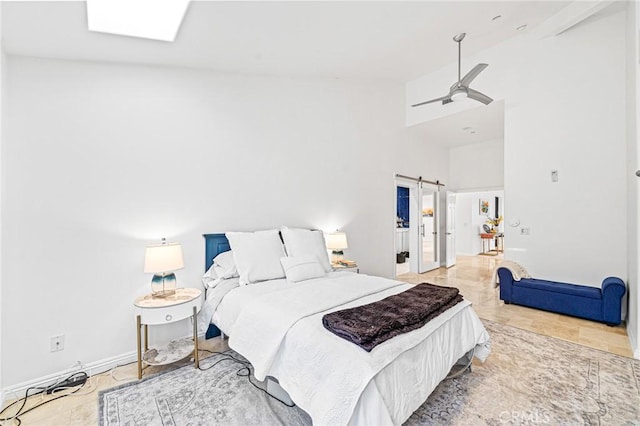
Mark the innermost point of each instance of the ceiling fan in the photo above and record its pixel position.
(460, 89)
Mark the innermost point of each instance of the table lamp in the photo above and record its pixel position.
(161, 260)
(337, 241)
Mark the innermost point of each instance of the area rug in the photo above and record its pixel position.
(528, 379)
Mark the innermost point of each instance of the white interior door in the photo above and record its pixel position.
(421, 238)
(429, 246)
(450, 230)
(415, 203)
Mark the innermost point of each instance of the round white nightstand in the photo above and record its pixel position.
(150, 310)
(351, 268)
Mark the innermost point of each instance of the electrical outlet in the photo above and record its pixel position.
(525, 231)
(57, 343)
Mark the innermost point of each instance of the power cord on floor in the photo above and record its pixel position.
(112, 373)
(244, 371)
(75, 381)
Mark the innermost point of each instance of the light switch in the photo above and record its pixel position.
(554, 175)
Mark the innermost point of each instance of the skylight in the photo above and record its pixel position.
(153, 19)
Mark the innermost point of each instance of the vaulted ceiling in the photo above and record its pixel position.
(394, 40)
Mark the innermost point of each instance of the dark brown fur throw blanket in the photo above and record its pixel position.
(369, 325)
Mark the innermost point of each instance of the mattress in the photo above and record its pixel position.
(277, 326)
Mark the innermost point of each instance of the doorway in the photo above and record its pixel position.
(417, 230)
(474, 209)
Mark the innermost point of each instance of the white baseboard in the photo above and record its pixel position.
(97, 367)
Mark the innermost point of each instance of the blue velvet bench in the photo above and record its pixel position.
(592, 303)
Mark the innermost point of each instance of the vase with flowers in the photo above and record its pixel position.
(494, 222)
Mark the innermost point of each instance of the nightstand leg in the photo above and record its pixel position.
(138, 327)
(146, 337)
(195, 337)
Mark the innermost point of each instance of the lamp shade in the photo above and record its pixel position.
(163, 258)
(337, 241)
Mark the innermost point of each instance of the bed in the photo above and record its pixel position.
(277, 325)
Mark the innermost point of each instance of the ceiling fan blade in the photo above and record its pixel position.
(480, 97)
(467, 79)
(444, 98)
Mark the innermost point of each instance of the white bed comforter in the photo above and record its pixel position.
(277, 326)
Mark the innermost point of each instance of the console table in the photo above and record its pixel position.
(486, 241)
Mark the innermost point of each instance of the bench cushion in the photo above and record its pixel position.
(557, 287)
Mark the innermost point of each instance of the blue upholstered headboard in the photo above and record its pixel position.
(214, 245)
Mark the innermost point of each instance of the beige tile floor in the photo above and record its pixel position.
(82, 408)
(472, 275)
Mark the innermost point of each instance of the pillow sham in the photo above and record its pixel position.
(302, 268)
(304, 242)
(257, 255)
(225, 265)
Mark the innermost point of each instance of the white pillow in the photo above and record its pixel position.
(257, 255)
(210, 276)
(302, 268)
(303, 242)
(225, 265)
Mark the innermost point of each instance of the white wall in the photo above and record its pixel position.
(477, 167)
(578, 224)
(2, 94)
(100, 160)
(633, 164)
(430, 158)
(563, 111)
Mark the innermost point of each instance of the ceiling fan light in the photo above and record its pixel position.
(460, 93)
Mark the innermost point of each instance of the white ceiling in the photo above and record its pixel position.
(393, 40)
(475, 125)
